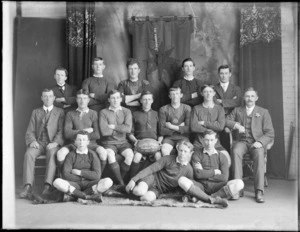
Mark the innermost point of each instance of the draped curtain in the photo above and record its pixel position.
(261, 68)
(81, 41)
(160, 45)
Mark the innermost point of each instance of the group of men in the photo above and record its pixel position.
(84, 133)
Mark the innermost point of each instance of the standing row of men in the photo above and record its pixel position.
(120, 127)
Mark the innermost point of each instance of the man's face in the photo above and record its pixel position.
(184, 153)
(210, 141)
(188, 68)
(175, 96)
(134, 71)
(98, 66)
(115, 100)
(82, 141)
(48, 98)
(60, 77)
(82, 101)
(250, 98)
(208, 93)
(147, 101)
(224, 74)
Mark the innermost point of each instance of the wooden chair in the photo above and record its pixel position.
(248, 161)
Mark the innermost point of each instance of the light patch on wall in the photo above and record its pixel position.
(44, 9)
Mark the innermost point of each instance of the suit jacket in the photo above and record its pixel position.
(231, 98)
(69, 94)
(261, 126)
(54, 125)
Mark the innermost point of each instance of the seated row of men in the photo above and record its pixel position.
(117, 125)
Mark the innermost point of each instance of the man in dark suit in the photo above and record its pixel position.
(255, 128)
(65, 95)
(44, 135)
(228, 96)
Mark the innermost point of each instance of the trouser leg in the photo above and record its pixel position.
(259, 170)
(238, 151)
(51, 164)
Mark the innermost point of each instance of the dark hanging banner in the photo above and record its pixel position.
(160, 44)
(81, 41)
(261, 68)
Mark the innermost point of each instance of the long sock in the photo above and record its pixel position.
(197, 192)
(60, 165)
(78, 194)
(88, 191)
(103, 165)
(124, 169)
(116, 171)
(134, 169)
(224, 192)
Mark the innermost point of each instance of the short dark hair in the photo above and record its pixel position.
(113, 91)
(187, 59)
(47, 90)
(185, 142)
(132, 61)
(82, 132)
(205, 86)
(82, 91)
(210, 132)
(147, 92)
(61, 69)
(224, 66)
(97, 59)
(174, 89)
(251, 89)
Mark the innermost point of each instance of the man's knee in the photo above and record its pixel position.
(101, 151)
(148, 196)
(137, 157)
(184, 183)
(104, 184)
(140, 189)
(111, 156)
(62, 153)
(61, 185)
(128, 155)
(235, 186)
(166, 149)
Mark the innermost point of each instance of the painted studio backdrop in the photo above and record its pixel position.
(207, 32)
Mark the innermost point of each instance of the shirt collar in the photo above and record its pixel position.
(185, 163)
(115, 110)
(48, 108)
(188, 79)
(249, 110)
(146, 111)
(83, 152)
(210, 153)
(205, 106)
(224, 84)
(85, 111)
(59, 85)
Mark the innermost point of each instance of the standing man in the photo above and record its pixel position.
(44, 135)
(211, 172)
(174, 121)
(115, 122)
(255, 128)
(84, 119)
(208, 116)
(132, 88)
(65, 95)
(228, 96)
(97, 86)
(189, 85)
(144, 125)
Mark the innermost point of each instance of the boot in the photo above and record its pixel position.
(220, 201)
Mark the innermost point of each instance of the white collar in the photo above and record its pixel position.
(210, 153)
(85, 111)
(85, 152)
(205, 106)
(101, 76)
(48, 108)
(188, 79)
(185, 163)
(63, 85)
(115, 110)
(249, 110)
(224, 84)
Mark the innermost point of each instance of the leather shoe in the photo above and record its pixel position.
(259, 196)
(242, 193)
(26, 191)
(46, 190)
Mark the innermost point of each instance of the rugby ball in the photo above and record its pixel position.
(147, 146)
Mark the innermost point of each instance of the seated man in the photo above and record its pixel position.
(190, 86)
(132, 88)
(144, 125)
(163, 175)
(98, 86)
(81, 172)
(211, 173)
(115, 122)
(255, 128)
(65, 95)
(208, 116)
(174, 121)
(84, 119)
(44, 135)
(228, 96)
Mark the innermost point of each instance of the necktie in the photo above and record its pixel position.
(61, 88)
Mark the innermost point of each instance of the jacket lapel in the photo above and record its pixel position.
(219, 90)
(229, 90)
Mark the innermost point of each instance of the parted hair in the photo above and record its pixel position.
(185, 142)
(82, 132)
(132, 61)
(147, 92)
(185, 60)
(61, 69)
(210, 132)
(97, 59)
(224, 66)
(174, 89)
(113, 91)
(251, 89)
(205, 86)
(47, 90)
(82, 91)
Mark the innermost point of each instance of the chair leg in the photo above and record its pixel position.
(266, 181)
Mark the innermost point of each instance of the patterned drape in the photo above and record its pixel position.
(160, 45)
(81, 41)
(261, 68)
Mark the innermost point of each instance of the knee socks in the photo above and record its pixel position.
(116, 171)
(197, 192)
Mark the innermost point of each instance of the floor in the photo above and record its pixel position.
(279, 212)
